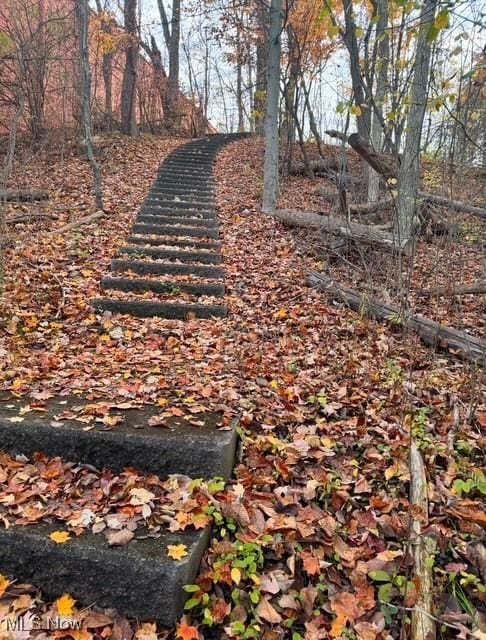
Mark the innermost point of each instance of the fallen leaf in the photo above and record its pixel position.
(65, 605)
(4, 583)
(60, 537)
(177, 551)
(267, 612)
(120, 538)
(187, 632)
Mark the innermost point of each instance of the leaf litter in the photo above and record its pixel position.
(310, 538)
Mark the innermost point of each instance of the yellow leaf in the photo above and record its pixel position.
(177, 551)
(146, 631)
(273, 384)
(332, 31)
(355, 110)
(282, 313)
(65, 605)
(442, 20)
(4, 583)
(235, 575)
(60, 537)
(327, 443)
(391, 472)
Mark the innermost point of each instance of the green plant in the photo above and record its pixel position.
(476, 483)
(390, 586)
(419, 429)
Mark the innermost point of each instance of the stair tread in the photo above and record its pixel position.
(155, 266)
(147, 308)
(195, 287)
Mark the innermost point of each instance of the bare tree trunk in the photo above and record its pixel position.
(107, 66)
(129, 85)
(409, 171)
(382, 53)
(363, 120)
(239, 79)
(261, 88)
(81, 14)
(175, 38)
(270, 177)
(172, 37)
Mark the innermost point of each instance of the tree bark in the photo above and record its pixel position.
(270, 171)
(387, 167)
(77, 223)
(82, 23)
(432, 333)
(422, 626)
(381, 62)
(409, 170)
(172, 37)
(107, 66)
(260, 94)
(476, 288)
(340, 227)
(129, 84)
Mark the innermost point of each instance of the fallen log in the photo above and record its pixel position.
(422, 625)
(29, 217)
(431, 332)
(358, 209)
(475, 288)
(456, 205)
(77, 223)
(340, 227)
(387, 167)
(317, 167)
(23, 195)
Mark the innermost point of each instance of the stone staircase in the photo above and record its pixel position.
(139, 579)
(171, 266)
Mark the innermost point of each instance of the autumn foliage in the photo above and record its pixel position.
(39, 74)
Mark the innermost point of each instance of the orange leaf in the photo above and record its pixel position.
(311, 563)
(65, 605)
(4, 582)
(186, 632)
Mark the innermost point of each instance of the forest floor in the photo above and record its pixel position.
(310, 536)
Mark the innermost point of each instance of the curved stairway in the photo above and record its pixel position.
(171, 266)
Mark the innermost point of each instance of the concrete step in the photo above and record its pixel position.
(172, 311)
(139, 579)
(190, 162)
(183, 182)
(202, 451)
(209, 223)
(162, 209)
(180, 202)
(192, 243)
(171, 190)
(196, 177)
(141, 285)
(173, 230)
(166, 268)
(175, 205)
(174, 254)
(182, 195)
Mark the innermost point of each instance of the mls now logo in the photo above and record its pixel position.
(32, 622)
